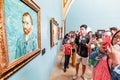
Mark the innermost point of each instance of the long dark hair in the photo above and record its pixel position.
(114, 36)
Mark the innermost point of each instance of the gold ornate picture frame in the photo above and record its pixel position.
(53, 31)
(11, 22)
(59, 33)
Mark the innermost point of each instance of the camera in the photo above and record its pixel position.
(83, 41)
(93, 36)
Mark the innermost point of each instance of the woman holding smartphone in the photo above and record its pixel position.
(113, 52)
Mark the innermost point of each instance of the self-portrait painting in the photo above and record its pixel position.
(20, 39)
(21, 28)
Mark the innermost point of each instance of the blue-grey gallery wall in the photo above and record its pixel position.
(97, 14)
(40, 67)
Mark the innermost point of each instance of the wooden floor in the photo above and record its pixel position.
(59, 74)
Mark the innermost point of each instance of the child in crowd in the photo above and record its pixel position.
(67, 48)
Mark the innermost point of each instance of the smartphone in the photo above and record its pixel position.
(93, 35)
(107, 41)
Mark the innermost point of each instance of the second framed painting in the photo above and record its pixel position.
(53, 32)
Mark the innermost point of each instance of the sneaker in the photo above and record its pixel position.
(83, 77)
(75, 77)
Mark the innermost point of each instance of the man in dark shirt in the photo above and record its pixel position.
(82, 41)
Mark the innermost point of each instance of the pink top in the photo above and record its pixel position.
(101, 71)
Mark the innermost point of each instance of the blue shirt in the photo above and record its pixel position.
(96, 56)
(115, 72)
(23, 47)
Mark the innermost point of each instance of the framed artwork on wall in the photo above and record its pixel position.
(20, 38)
(100, 31)
(53, 32)
(60, 33)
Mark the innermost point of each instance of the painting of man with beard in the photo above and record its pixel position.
(28, 41)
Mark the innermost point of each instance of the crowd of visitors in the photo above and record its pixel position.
(100, 50)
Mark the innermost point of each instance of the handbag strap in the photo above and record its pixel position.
(108, 65)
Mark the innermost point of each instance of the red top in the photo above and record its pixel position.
(67, 49)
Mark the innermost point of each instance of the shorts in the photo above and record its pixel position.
(84, 60)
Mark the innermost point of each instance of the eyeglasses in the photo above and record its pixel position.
(117, 37)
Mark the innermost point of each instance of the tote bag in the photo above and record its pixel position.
(101, 71)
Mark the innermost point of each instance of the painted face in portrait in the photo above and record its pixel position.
(27, 23)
